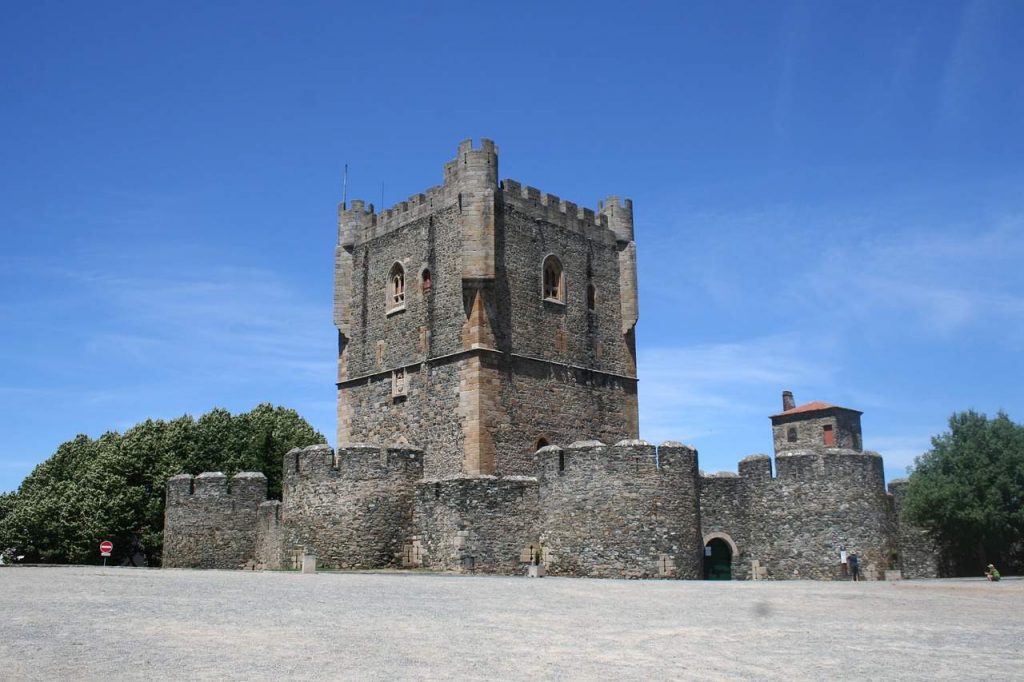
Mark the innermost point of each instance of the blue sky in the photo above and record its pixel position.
(828, 198)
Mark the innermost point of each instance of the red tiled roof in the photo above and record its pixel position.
(814, 406)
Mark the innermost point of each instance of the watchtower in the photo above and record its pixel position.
(815, 426)
(480, 320)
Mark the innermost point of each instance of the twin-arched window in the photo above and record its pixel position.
(396, 287)
(554, 280)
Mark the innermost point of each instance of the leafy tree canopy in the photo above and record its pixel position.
(114, 486)
(969, 491)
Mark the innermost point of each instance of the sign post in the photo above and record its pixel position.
(106, 547)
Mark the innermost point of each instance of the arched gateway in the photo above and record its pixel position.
(719, 549)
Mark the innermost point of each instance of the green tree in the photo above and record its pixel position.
(113, 488)
(969, 491)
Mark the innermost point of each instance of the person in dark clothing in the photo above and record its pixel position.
(854, 563)
(136, 552)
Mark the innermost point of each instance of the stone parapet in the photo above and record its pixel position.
(627, 510)
(353, 508)
(210, 520)
(476, 524)
(918, 555)
(549, 208)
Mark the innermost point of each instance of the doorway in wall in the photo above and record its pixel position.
(717, 560)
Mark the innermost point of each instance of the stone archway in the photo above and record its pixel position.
(719, 550)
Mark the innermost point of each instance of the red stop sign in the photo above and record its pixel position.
(106, 547)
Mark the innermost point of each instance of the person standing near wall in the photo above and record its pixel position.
(854, 563)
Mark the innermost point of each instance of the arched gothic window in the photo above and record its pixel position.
(554, 280)
(396, 286)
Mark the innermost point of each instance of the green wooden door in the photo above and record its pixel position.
(718, 561)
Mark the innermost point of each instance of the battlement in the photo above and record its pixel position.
(361, 223)
(210, 520)
(757, 466)
(808, 465)
(619, 216)
(472, 169)
(550, 208)
(835, 463)
(245, 485)
(632, 457)
(480, 163)
(356, 461)
(475, 169)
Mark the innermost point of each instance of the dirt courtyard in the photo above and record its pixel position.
(96, 623)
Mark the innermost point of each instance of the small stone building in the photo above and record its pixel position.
(487, 418)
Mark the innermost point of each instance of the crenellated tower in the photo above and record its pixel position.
(480, 320)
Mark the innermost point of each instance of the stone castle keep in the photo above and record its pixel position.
(487, 418)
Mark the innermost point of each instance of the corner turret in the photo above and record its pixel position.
(620, 217)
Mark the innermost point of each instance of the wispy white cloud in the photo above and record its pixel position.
(938, 281)
(223, 320)
(687, 392)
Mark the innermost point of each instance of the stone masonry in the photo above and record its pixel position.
(209, 524)
(487, 419)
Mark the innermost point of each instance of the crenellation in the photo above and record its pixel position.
(618, 216)
(677, 457)
(208, 524)
(367, 461)
(210, 484)
(633, 457)
(249, 485)
(310, 461)
(367, 224)
(756, 467)
(550, 208)
(179, 487)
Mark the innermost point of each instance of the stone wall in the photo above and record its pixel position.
(353, 510)
(724, 509)
(629, 510)
(919, 554)
(271, 550)
(537, 327)
(480, 524)
(425, 417)
(209, 524)
(795, 523)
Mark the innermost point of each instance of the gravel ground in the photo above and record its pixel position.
(94, 623)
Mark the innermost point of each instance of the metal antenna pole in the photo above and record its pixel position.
(344, 188)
